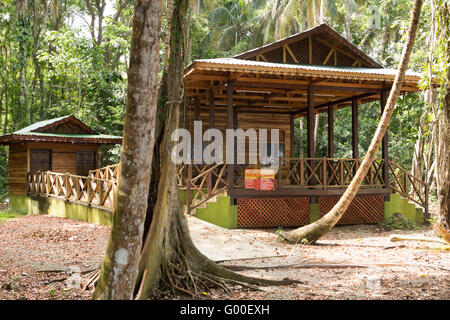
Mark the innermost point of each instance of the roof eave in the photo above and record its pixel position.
(209, 65)
(12, 138)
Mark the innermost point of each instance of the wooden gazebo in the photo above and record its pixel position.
(316, 71)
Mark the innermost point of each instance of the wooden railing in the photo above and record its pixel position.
(407, 185)
(78, 189)
(322, 173)
(109, 172)
(203, 182)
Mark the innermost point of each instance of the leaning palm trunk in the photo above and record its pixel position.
(312, 232)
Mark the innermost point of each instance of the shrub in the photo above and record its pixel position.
(398, 222)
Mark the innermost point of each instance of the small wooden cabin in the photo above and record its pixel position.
(63, 144)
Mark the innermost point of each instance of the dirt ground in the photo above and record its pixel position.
(44, 257)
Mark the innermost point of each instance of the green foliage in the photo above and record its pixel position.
(67, 70)
(5, 215)
(398, 222)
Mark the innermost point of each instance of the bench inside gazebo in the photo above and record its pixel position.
(316, 71)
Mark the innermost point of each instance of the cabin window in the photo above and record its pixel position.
(40, 160)
(86, 161)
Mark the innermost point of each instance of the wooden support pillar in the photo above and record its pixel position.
(330, 131)
(230, 125)
(355, 130)
(197, 109)
(235, 119)
(292, 135)
(310, 124)
(212, 109)
(385, 145)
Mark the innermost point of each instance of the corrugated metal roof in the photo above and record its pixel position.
(300, 69)
(39, 124)
(29, 133)
(67, 135)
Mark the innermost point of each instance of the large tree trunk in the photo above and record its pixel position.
(443, 160)
(314, 231)
(443, 142)
(119, 269)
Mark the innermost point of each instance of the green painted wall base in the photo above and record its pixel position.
(60, 208)
(221, 213)
(313, 212)
(397, 204)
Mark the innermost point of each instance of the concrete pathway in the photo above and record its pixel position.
(218, 243)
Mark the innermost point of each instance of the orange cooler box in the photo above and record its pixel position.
(252, 179)
(267, 179)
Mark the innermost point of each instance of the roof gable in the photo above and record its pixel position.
(321, 45)
(62, 125)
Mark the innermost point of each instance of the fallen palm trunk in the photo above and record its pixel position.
(398, 237)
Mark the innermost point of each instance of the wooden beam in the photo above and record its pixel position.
(339, 50)
(301, 192)
(360, 96)
(261, 57)
(291, 53)
(355, 131)
(330, 131)
(277, 83)
(328, 56)
(310, 50)
(281, 84)
(212, 109)
(197, 109)
(310, 124)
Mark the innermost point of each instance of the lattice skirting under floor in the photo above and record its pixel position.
(368, 209)
(272, 213)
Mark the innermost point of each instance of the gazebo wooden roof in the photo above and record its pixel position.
(276, 77)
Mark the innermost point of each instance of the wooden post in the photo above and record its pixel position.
(209, 183)
(230, 125)
(197, 108)
(330, 131)
(310, 124)
(310, 120)
(355, 131)
(385, 145)
(212, 109)
(292, 135)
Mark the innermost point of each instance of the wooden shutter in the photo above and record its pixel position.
(40, 159)
(86, 161)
